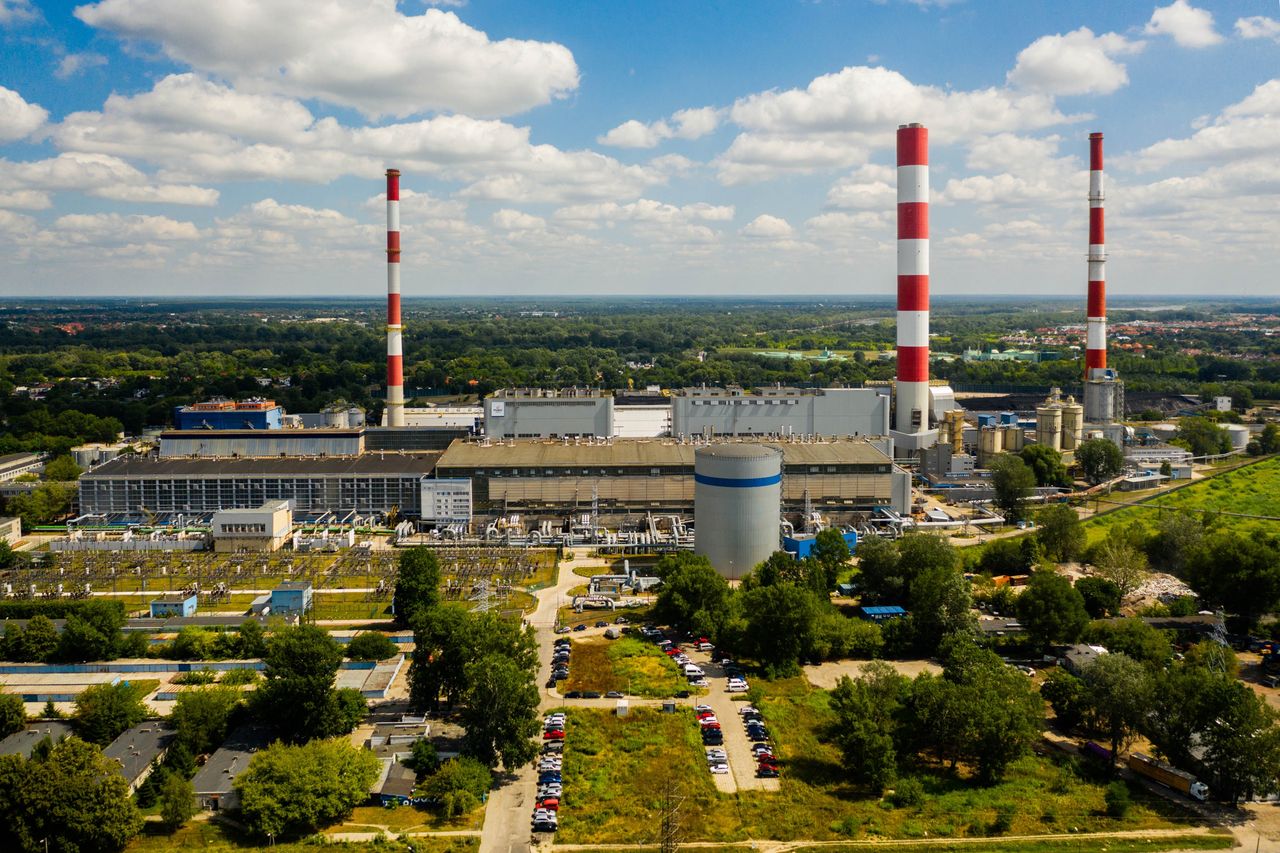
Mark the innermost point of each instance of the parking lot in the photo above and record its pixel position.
(742, 763)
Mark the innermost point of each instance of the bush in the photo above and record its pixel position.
(196, 676)
(907, 793)
(370, 645)
(459, 775)
(1004, 819)
(238, 677)
(1117, 799)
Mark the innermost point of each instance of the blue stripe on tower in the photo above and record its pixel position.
(736, 483)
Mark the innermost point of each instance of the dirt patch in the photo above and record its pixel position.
(827, 674)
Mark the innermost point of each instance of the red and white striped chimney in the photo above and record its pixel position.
(1095, 354)
(395, 357)
(913, 279)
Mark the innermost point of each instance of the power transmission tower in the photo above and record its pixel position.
(671, 829)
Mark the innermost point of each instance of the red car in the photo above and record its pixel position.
(552, 803)
(554, 734)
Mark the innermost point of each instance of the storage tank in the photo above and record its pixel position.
(1165, 432)
(355, 417)
(737, 501)
(1049, 426)
(336, 417)
(1013, 438)
(1072, 424)
(1239, 435)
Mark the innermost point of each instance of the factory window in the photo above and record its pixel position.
(813, 469)
(654, 472)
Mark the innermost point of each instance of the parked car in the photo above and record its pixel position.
(562, 629)
(621, 620)
(699, 682)
(573, 694)
(555, 734)
(718, 768)
(767, 773)
(613, 694)
(591, 694)
(580, 627)
(683, 694)
(602, 624)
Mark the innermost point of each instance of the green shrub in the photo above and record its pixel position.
(196, 676)
(1004, 819)
(238, 677)
(1117, 799)
(907, 793)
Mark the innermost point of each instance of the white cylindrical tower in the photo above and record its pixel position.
(395, 355)
(737, 501)
(913, 279)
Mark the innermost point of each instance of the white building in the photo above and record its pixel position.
(265, 528)
(446, 501)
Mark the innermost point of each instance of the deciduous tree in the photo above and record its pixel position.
(294, 790)
(417, 584)
(104, 711)
(501, 712)
(1014, 483)
(1099, 460)
(1060, 533)
(1051, 609)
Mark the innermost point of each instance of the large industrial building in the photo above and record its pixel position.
(372, 483)
(625, 476)
(541, 413)
(780, 412)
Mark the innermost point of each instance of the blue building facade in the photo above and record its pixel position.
(291, 597)
(229, 414)
(801, 545)
(175, 604)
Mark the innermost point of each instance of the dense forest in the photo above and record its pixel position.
(130, 362)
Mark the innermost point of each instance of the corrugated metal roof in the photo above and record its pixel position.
(370, 463)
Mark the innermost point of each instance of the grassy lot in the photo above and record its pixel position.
(1252, 490)
(615, 769)
(406, 819)
(627, 664)
(1066, 844)
(215, 836)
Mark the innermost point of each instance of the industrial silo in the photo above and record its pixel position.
(1013, 438)
(1049, 425)
(1072, 424)
(1165, 432)
(737, 501)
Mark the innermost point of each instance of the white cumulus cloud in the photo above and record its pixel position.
(1259, 27)
(685, 124)
(766, 227)
(517, 220)
(17, 11)
(1185, 24)
(363, 54)
(19, 119)
(1076, 63)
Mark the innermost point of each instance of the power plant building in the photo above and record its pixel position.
(541, 413)
(253, 443)
(366, 484)
(843, 412)
(625, 476)
(737, 505)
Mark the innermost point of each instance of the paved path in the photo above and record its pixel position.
(510, 805)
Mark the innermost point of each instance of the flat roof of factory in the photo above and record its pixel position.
(640, 452)
(333, 466)
(310, 432)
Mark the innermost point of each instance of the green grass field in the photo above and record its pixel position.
(216, 836)
(627, 664)
(616, 769)
(1250, 490)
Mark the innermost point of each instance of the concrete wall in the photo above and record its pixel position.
(827, 411)
(548, 417)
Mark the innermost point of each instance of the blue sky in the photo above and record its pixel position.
(186, 146)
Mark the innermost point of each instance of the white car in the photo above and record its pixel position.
(553, 718)
(718, 768)
(697, 709)
(747, 709)
(698, 682)
(717, 755)
(738, 687)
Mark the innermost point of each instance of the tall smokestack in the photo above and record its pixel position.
(1095, 354)
(395, 357)
(913, 279)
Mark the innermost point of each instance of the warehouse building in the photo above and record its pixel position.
(253, 443)
(638, 475)
(542, 413)
(16, 464)
(735, 411)
(372, 483)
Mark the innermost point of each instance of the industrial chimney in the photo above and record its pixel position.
(913, 279)
(1095, 355)
(395, 357)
